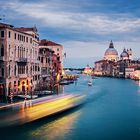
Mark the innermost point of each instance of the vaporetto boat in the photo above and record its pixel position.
(31, 110)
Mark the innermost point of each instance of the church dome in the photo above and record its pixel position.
(124, 54)
(111, 53)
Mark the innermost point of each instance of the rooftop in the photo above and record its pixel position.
(45, 42)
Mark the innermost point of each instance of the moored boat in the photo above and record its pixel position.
(89, 83)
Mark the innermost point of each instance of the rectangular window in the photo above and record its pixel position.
(41, 59)
(18, 83)
(2, 72)
(27, 39)
(15, 36)
(9, 34)
(2, 33)
(14, 83)
(31, 40)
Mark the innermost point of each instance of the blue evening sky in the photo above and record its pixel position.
(83, 27)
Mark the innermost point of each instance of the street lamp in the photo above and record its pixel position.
(11, 96)
(31, 86)
(25, 92)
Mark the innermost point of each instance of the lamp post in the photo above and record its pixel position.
(52, 80)
(11, 96)
(31, 86)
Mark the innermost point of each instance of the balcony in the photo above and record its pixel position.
(22, 60)
(2, 80)
(1, 58)
(22, 76)
(1, 38)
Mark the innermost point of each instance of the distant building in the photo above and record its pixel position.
(88, 70)
(111, 53)
(129, 71)
(126, 54)
(111, 65)
(136, 74)
(99, 66)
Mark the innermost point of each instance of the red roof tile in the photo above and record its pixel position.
(45, 42)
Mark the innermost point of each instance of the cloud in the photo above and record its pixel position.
(69, 21)
(51, 15)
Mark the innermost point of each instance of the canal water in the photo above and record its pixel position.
(112, 112)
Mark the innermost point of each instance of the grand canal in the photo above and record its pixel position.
(112, 111)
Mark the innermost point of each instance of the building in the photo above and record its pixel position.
(88, 70)
(111, 65)
(46, 62)
(136, 74)
(57, 57)
(111, 53)
(19, 64)
(126, 54)
(129, 71)
(57, 48)
(99, 66)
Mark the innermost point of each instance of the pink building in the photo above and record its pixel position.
(58, 51)
(19, 65)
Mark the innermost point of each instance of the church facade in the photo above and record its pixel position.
(113, 65)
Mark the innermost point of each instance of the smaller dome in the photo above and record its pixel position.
(124, 53)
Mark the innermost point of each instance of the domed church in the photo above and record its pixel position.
(111, 53)
(126, 54)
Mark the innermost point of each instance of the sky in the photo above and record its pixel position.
(84, 27)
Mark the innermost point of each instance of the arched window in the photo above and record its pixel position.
(2, 50)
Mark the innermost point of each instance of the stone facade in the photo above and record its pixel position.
(115, 67)
(19, 64)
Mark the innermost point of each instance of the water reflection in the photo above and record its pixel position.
(56, 129)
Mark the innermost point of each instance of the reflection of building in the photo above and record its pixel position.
(111, 65)
(19, 67)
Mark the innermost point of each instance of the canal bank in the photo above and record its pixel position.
(112, 112)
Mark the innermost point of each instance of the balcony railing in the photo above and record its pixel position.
(22, 75)
(2, 80)
(22, 60)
